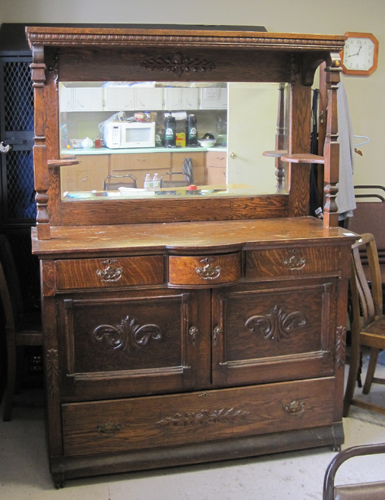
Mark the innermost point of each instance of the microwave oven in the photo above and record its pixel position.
(129, 134)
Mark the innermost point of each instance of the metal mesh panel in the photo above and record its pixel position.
(20, 193)
(18, 97)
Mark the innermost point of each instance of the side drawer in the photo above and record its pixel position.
(204, 270)
(161, 421)
(292, 261)
(117, 271)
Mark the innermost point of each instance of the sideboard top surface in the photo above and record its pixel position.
(192, 236)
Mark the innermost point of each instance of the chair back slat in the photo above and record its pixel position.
(370, 298)
(6, 302)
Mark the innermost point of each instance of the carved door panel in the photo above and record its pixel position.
(132, 344)
(273, 332)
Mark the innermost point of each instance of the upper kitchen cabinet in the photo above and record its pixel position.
(181, 98)
(213, 98)
(147, 99)
(119, 98)
(88, 99)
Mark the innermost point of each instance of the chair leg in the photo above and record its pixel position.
(371, 369)
(9, 392)
(352, 377)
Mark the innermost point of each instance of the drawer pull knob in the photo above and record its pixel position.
(109, 428)
(295, 262)
(217, 331)
(294, 408)
(193, 331)
(110, 273)
(208, 272)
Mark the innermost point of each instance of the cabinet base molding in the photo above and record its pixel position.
(63, 468)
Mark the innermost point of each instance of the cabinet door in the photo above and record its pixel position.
(180, 99)
(148, 99)
(140, 164)
(119, 98)
(66, 98)
(198, 165)
(88, 175)
(123, 344)
(88, 99)
(274, 332)
(216, 167)
(213, 98)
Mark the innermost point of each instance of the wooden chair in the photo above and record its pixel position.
(20, 329)
(175, 179)
(369, 217)
(122, 182)
(368, 321)
(358, 491)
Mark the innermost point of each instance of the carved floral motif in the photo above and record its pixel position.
(203, 417)
(127, 335)
(178, 64)
(276, 324)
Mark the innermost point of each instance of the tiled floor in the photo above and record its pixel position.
(24, 473)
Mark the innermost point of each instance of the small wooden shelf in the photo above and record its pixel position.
(303, 158)
(275, 154)
(63, 162)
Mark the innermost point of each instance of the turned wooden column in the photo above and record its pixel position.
(41, 174)
(332, 147)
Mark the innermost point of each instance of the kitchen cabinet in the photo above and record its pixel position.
(191, 328)
(88, 175)
(216, 162)
(213, 98)
(119, 98)
(148, 99)
(140, 164)
(87, 99)
(198, 165)
(184, 99)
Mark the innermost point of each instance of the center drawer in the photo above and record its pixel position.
(107, 272)
(173, 420)
(208, 270)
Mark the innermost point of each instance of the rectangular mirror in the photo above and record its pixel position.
(170, 139)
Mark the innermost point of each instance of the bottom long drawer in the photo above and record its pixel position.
(172, 420)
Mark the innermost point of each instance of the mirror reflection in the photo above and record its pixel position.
(170, 139)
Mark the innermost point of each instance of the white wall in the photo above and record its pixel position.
(366, 95)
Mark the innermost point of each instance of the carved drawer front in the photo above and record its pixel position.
(292, 261)
(109, 272)
(161, 421)
(206, 270)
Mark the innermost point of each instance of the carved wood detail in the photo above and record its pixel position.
(203, 417)
(178, 64)
(109, 429)
(294, 408)
(298, 42)
(52, 372)
(127, 335)
(277, 324)
(296, 262)
(339, 348)
(208, 272)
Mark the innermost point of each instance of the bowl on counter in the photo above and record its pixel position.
(207, 143)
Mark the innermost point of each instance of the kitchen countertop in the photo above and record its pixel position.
(108, 151)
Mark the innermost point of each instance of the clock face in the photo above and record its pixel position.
(358, 54)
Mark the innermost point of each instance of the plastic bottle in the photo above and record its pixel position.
(155, 182)
(147, 182)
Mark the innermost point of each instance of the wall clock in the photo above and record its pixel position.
(360, 54)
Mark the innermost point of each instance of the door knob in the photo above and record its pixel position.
(232, 155)
(4, 148)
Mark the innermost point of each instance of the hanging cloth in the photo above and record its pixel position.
(345, 197)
